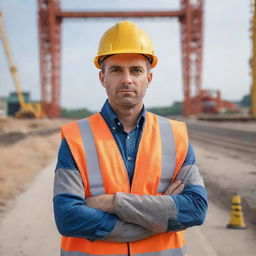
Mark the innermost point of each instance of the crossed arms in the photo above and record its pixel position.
(139, 216)
(126, 217)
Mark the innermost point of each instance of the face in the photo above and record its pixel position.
(126, 78)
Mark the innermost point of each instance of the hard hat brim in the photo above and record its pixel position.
(98, 65)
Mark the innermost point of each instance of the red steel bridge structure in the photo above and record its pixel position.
(190, 16)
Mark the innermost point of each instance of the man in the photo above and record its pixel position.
(126, 181)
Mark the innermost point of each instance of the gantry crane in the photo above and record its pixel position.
(50, 17)
(27, 109)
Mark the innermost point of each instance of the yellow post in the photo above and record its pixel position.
(236, 215)
(253, 88)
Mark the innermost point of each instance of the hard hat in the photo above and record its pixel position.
(125, 37)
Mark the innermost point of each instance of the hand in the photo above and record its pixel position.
(103, 202)
(175, 188)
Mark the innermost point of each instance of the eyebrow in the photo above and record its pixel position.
(137, 67)
(119, 66)
(115, 66)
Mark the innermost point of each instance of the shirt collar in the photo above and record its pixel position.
(112, 120)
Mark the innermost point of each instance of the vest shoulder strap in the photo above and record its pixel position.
(181, 144)
(174, 146)
(74, 133)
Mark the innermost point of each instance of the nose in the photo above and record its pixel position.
(126, 78)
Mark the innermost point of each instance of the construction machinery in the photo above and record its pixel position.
(212, 103)
(27, 109)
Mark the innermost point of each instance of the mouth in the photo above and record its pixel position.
(124, 91)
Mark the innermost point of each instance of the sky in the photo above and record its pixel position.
(226, 50)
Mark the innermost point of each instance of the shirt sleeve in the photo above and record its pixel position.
(192, 203)
(127, 232)
(190, 158)
(74, 218)
(167, 212)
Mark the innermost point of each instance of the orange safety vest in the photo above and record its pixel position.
(161, 153)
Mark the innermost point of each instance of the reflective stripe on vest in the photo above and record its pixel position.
(168, 154)
(169, 252)
(94, 173)
(163, 143)
(65, 253)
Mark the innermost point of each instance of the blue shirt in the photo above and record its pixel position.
(92, 223)
(127, 142)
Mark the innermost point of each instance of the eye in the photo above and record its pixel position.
(116, 70)
(137, 70)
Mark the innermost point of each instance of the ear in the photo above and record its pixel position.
(149, 77)
(102, 78)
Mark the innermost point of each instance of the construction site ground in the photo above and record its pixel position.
(28, 147)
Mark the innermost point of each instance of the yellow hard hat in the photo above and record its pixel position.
(125, 37)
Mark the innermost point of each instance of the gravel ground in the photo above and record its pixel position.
(227, 172)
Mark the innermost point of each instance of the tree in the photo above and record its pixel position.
(246, 101)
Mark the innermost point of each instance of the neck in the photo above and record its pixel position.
(127, 115)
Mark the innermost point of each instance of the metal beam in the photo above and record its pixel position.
(120, 14)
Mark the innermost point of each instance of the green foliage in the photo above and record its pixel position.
(174, 109)
(75, 113)
(246, 101)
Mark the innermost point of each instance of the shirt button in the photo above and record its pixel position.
(128, 137)
(113, 128)
(129, 158)
(118, 123)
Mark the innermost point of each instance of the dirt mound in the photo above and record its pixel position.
(26, 146)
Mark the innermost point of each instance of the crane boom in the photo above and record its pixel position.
(27, 109)
(10, 60)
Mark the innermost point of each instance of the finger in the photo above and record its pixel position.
(178, 190)
(172, 187)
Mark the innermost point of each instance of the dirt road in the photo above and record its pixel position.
(26, 222)
(214, 239)
(29, 229)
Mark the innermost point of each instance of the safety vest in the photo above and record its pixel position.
(161, 153)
